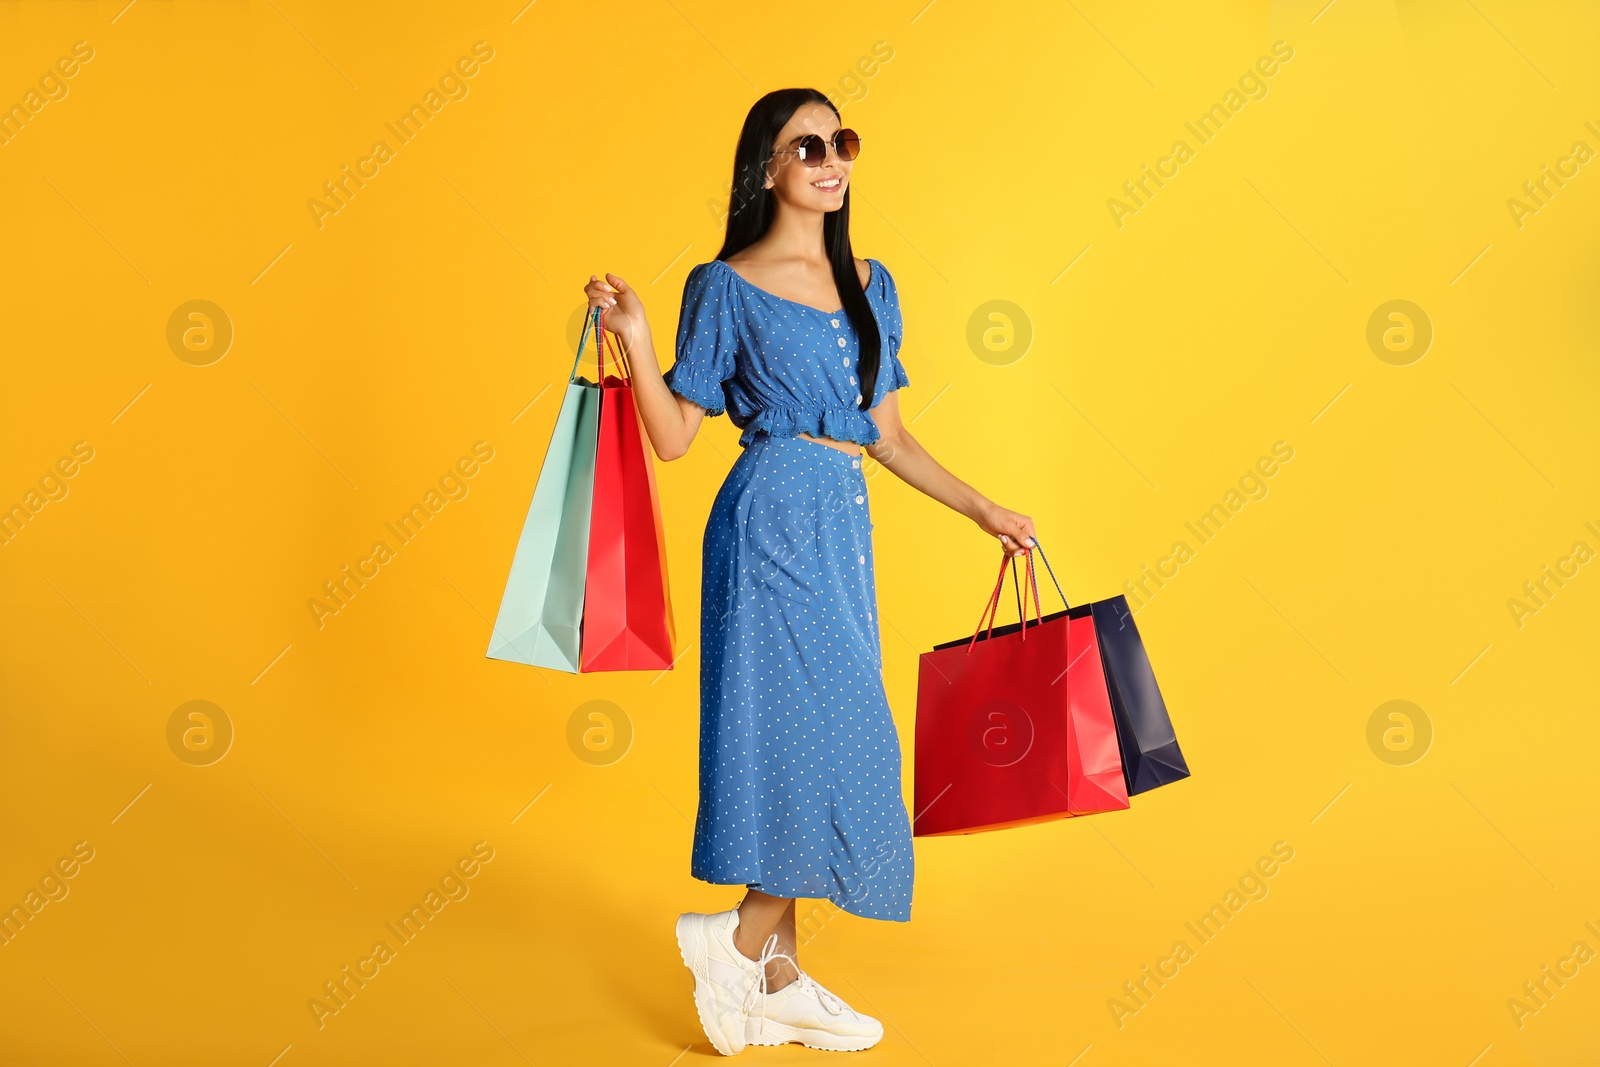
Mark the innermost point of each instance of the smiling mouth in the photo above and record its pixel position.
(829, 185)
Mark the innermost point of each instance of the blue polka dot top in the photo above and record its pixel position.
(779, 366)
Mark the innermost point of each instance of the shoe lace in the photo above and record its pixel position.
(830, 1001)
(769, 952)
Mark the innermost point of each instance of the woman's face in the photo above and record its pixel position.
(797, 185)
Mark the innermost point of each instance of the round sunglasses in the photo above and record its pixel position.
(813, 150)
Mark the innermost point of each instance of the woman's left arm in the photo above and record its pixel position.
(903, 454)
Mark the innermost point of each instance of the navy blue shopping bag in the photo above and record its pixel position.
(1150, 753)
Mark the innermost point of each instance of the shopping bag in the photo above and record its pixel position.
(627, 613)
(1015, 728)
(1150, 753)
(541, 610)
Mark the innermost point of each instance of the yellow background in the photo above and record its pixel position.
(437, 309)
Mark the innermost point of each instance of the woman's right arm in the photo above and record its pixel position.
(670, 420)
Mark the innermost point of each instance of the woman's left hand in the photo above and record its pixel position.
(1013, 529)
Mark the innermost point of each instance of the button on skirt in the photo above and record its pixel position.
(800, 769)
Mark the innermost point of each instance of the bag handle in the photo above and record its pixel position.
(1064, 601)
(583, 340)
(623, 367)
(990, 608)
(597, 321)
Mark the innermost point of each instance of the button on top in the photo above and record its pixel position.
(855, 463)
(835, 323)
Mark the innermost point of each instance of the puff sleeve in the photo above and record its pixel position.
(708, 339)
(891, 372)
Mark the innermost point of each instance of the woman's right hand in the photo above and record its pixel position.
(1014, 529)
(624, 314)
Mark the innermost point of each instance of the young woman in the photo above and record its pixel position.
(800, 792)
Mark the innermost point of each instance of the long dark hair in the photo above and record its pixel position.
(751, 209)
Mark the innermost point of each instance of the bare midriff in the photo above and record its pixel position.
(843, 446)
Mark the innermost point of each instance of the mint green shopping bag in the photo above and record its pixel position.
(542, 609)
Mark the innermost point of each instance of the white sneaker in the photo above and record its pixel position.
(725, 979)
(806, 1012)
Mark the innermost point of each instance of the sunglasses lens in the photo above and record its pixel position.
(847, 143)
(812, 149)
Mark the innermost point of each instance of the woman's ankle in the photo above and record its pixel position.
(780, 974)
(749, 952)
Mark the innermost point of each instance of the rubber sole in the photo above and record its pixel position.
(782, 1034)
(694, 946)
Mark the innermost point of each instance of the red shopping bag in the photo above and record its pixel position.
(627, 603)
(1015, 728)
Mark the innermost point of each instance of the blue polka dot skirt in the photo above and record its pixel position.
(800, 789)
